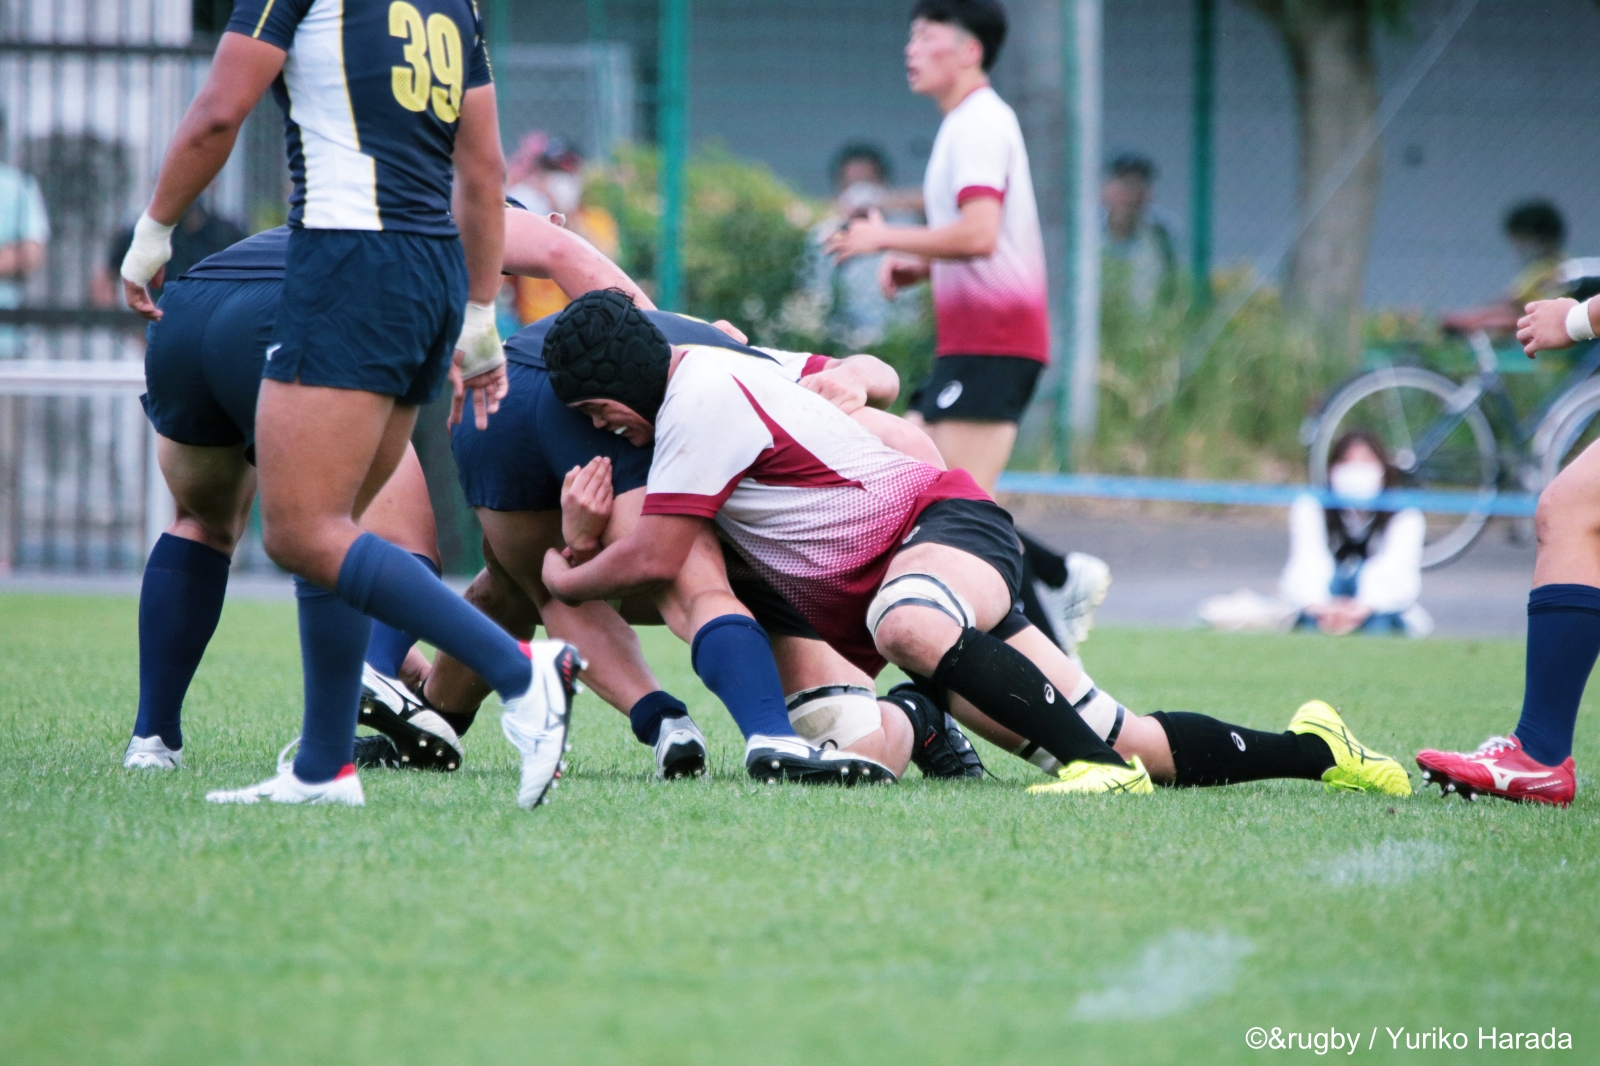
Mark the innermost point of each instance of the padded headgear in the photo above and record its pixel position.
(602, 347)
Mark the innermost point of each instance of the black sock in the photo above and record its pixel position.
(460, 721)
(1002, 683)
(1047, 565)
(1206, 751)
(1032, 609)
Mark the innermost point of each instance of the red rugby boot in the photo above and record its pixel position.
(1499, 768)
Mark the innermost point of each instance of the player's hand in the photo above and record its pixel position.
(862, 236)
(731, 330)
(586, 502)
(145, 264)
(488, 389)
(840, 386)
(1544, 327)
(897, 272)
(139, 298)
(555, 573)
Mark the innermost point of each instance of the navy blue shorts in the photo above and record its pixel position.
(378, 312)
(202, 361)
(533, 440)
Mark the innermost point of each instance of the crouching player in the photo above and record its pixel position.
(1534, 762)
(204, 365)
(885, 557)
(513, 472)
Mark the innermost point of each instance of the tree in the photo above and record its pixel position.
(1336, 95)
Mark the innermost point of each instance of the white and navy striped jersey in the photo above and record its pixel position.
(371, 95)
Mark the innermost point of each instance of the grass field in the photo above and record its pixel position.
(718, 921)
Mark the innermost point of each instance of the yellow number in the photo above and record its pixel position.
(411, 83)
(444, 40)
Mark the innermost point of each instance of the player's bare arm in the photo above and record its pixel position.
(479, 208)
(974, 235)
(1551, 325)
(647, 558)
(538, 248)
(242, 70)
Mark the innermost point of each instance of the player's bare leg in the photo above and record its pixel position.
(982, 449)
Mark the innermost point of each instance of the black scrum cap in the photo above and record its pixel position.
(602, 347)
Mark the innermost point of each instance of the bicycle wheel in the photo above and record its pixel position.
(1576, 426)
(1409, 409)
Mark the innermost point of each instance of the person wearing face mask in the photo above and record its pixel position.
(1352, 570)
(545, 175)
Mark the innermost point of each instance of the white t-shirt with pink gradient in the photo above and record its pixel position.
(815, 503)
(996, 304)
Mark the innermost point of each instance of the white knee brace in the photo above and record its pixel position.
(918, 590)
(842, 714)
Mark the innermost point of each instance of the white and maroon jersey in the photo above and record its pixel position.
(995, 304)
(815, 503)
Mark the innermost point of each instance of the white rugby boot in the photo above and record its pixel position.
(773, 759)
(422, 739)
(344, 789)
(536, 722)
(1071, 607)
(151, 753)
(680, 749)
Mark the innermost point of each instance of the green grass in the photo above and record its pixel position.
(718, 921)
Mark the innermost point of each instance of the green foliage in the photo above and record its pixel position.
(635, 921)
(744, 233)
(1236, 413)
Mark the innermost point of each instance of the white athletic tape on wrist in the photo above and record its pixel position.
(842, 714)
(918, 590)
(479, 341)
(148, 252)
(1579, 328)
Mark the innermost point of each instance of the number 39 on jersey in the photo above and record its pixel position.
(435, 71)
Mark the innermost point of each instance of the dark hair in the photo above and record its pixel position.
(1339, 538)
(1125, 163)
(984, 19)
(860, 150)
(1537, 220)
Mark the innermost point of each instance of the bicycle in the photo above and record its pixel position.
(1439, 436)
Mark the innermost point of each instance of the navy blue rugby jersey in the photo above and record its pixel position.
(527, 344)
(371, 95)
(259, 258)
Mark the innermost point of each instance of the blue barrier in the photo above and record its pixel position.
(1510, 504)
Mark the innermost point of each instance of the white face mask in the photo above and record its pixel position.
(566, 190)
(1356, 480)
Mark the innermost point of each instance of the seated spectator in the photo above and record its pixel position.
(1538, 235)
(1353, 570)
(545, 175)
(1140, 263)
(856, 313)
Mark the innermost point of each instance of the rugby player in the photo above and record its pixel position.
(397, 237)
(885, 558)
(983, 253)
(537, 452)
(1534, 763)
(203, 367)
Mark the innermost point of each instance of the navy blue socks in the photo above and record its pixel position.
(387, 649)
(1563, 640)
(332, 637)
(387, 583)
(733, 656)
(179, 604)
(645, 716)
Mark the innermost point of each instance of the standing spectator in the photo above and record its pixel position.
(1140, 263)
(24, 232)
(199, 235)
(1538, 236)
(857, 312)
(984, 255)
